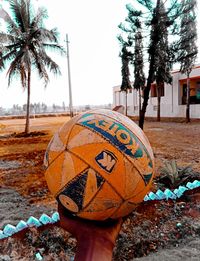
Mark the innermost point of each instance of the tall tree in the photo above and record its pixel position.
(125, 57)
(138, 63)
(187, 45)
(151, 18)
(158, 65)
(154, 37)
(162, 55)
(24, 46)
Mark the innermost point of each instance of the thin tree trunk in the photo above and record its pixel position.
(188, 100)
(139, 103)
(27, 127)
(158, 102)
(126, 103)
(146, 93)
(151, 71)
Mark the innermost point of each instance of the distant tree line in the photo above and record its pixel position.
(42, 108)
(35, 108)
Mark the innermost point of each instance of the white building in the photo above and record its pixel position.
(173, 98)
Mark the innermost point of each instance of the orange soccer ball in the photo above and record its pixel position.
(99, 165)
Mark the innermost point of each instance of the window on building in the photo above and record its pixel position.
(194, 92)
(184, 93)
(154, 90)
(198, 92)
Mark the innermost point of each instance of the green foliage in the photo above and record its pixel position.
(147, 3)
(139, 82)
(170, 170)
(172, 176)
(125, 56)
(187, 45)
(156, 23)
(162, 54)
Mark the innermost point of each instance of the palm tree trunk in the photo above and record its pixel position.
(188, 100)
(27, 127)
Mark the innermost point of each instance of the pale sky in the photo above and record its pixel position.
(92, 27)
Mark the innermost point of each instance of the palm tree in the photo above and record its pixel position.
(25, 44)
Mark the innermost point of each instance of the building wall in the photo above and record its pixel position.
(171, 102)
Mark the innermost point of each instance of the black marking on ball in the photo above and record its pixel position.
(147, 178)
(75, 190)
(100, 180)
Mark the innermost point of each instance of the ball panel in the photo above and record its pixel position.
(93, 184)
(81, 136)
(78, 166)
(99, 215)
(141, 186)
(75, 131)
(131, 125)
(103, 204)
(74, 190)
(125, 208)
(53, 174)
(139, 193)
(68, 203)
(80, 191)
(122, 139)
(66, 129)
(63, 170)
(106, 160)
(132, 178)
(53, 150)
(143, 164)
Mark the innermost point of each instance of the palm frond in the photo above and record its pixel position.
(25, 12)
(46, 35)
(51, 65)
(12, 46)
(7, 57)
(54, 47)
(38, 19)
(14, 67)
(18, 9)
(7, 38)
(39, 65)
(11, 26)
(12, 72)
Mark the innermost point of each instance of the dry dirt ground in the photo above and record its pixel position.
(166, 230)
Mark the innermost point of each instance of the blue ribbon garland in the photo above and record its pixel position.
(10, 230)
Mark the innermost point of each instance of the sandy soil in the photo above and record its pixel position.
(150, 233)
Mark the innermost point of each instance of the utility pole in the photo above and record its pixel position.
(69, 79)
